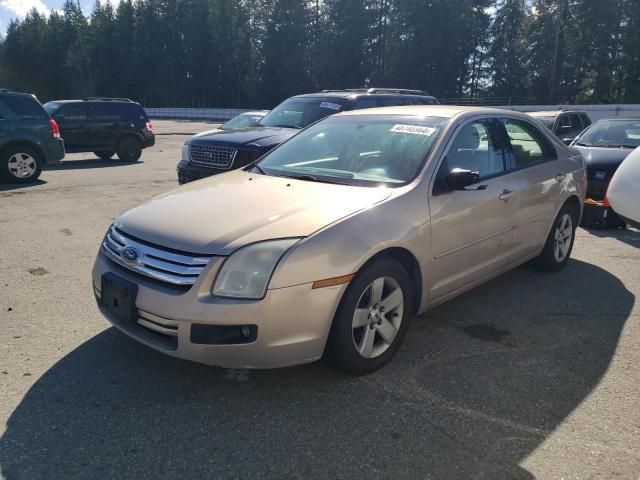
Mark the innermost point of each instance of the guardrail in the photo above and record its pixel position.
(596, 112)
(194, 113)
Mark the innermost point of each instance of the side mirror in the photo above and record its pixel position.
(460, 178)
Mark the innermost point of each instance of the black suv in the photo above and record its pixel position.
(205, 155)
(104, 126)
(29, 138)
(566, 124)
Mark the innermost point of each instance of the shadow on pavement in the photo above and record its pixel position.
(630, 236)
(90, 163)
(5, 187)
(478, 385)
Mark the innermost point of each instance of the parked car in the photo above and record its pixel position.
(624, 189)
(206, 155)
(29, 138)
(104, 126)
(566, 124)
(332, 241)
(244, 120)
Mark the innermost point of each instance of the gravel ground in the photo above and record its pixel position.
(529, 376)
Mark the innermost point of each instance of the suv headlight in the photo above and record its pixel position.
(247, 271)
(185, 151)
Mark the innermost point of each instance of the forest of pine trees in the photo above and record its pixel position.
(254, 53)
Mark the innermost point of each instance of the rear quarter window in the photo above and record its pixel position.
(25, 107)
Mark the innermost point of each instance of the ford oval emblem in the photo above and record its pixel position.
(601, 175)
(131, 255)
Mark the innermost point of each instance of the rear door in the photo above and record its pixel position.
(72, 119)
(472, 229)
(104, 125)
(539, 177)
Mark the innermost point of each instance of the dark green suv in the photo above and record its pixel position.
(29, 138)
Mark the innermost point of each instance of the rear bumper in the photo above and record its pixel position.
(188, 172)
(54, 151)
(149, 139)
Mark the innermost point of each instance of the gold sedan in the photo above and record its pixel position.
(330, 243)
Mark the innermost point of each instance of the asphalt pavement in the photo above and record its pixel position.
(531, 375)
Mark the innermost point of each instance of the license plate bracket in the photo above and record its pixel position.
(118, 296)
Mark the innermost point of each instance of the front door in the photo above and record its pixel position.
(472, 229)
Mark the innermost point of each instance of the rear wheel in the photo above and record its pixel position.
(559, 244)
(372, 319)
(129, 149)
(20, 164)
(104, 154)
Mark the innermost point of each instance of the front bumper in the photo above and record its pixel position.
(188, 172)
(292, 323)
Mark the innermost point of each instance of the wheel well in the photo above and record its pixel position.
(574, 203)
(410, 264)
(126, 136)
(23, 143)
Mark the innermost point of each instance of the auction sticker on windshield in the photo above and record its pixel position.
(331, 106)
(413, 129)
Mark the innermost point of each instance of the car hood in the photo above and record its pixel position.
(257, 136)
(603, 157)
(221, 213)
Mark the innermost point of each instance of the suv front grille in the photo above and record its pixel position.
(154, 262)
(212, 155)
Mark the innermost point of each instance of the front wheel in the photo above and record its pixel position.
(129, 150)
(20, 165)
(559, 244)
(372, 318)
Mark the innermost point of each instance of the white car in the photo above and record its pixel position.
(624, 190)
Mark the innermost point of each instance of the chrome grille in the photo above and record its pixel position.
(154, 262)
(212, 155)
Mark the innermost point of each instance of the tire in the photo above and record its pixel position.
(557, 249)
(20, 164)
(104, 154)
(363, 337)
(129, 149)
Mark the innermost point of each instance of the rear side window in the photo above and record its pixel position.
(73, 111)
(586, 121)
(129, 112)
(576, 122)
(24, 106)
(105, 112)
(528, 144)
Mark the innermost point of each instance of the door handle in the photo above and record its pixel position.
(560, 177)
(506, 195)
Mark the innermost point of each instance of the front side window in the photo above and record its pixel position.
(475, 148)
(366, 150)
(528, 144)
(611, 133)
(301, 112)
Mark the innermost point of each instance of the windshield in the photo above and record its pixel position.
(366, 150)
(546, 121)
(611, 133)
(244, 120)
(300, 112)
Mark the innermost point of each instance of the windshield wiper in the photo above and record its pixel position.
(259, 168)
(287, 126)
(311, 178)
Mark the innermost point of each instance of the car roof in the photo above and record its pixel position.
(551, 113)
(619, 119)
(359, 93)
(4, 91)
(256, 112)
(445, 111)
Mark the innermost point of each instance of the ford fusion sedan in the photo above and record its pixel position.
(330, 243)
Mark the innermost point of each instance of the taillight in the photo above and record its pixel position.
(150, 126)
(55, 129)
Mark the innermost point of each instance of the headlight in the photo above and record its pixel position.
(185, 151)
(246, 273)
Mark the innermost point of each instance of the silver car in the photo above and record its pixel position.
(330, 243)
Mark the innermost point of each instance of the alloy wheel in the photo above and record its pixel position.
(22, 165)
(563, 237)
(377, 317)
